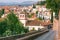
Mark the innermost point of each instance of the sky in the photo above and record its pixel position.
(5, 1)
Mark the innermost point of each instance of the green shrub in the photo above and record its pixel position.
(30, 15)
(11, 26)
(33, 29)
(26, 29)
(40, 18)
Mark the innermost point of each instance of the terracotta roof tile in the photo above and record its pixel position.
(33, 23)
(37, 23)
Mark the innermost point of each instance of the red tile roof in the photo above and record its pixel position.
(37, 23)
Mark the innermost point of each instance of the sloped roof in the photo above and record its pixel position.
(37, 23)
(33, 23)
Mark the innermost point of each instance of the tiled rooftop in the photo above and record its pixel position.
(37, 23)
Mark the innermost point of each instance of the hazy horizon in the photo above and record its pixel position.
(19, 1)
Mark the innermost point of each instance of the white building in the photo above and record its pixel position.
(22, 18)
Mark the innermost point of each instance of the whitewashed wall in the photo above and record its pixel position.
(35, 27)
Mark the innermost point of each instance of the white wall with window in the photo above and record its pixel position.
(22, 18)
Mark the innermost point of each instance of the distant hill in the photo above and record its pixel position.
(9, 4)
(26, 3)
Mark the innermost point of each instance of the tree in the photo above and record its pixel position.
(41, 3)
(36, 12)
(3, 26)
(14, 25)
(54, 5)
(51, 16)
(1, 12)
(34, 6)
(11, 25)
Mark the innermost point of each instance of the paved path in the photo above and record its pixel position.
(48, 36)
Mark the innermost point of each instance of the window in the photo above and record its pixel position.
(21, 15)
